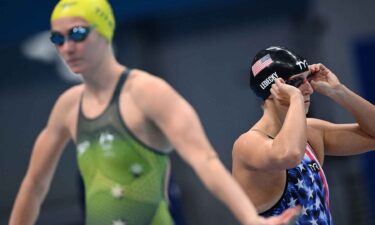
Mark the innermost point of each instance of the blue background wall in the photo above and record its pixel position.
(364, 51)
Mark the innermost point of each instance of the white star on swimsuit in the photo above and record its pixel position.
(300, 184)
(314, 222)
(304, 211)
(317, 203)
(292, 202)
(106, 140)
(118, 222)
(312, 177)
(310, 194)
(82, 147)
(323, 216)
(300, 166)
(136, 169)
(117, 192)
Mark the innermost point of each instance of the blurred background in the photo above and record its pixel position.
(203, 48)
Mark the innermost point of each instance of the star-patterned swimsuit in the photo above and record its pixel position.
(125, 180)
(306, 186)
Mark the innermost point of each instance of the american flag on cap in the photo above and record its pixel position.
(261, 64)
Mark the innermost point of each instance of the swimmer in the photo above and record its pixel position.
(278, 161)
(124, 123)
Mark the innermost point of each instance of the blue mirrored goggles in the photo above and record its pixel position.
(76, 34)
(298, 81)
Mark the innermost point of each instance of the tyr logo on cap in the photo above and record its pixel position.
(302, 64)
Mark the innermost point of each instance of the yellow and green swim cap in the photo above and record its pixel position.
(97, 12)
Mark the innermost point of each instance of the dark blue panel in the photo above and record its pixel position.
(20, 18)
(364, 52)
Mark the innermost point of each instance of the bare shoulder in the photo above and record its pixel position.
(140, 80)
(147, 87)
(59, 122)
(70, 97)
(238, 145)
(243, 138)
(253, 150)
(250, 139)
(65, 104)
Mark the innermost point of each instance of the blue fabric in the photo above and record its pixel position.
(306, 186)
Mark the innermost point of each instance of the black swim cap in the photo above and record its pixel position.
(271, 63)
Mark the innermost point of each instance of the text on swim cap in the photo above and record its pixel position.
(102, 14)
(269, 80)
(68, 4)
(302, 64)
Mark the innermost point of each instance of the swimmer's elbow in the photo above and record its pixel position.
(288, 159)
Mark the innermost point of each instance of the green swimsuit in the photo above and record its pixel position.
(125, 180)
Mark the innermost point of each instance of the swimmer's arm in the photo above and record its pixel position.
(180, 123)
(362, 110)
(45, 155)
(257, 151)
(326, 82)
(288, 146)
(342, 139)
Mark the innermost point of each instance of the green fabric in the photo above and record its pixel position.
(124, 181)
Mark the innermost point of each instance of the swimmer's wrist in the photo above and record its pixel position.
(338, 91)
(255, 220)
(296, 97)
